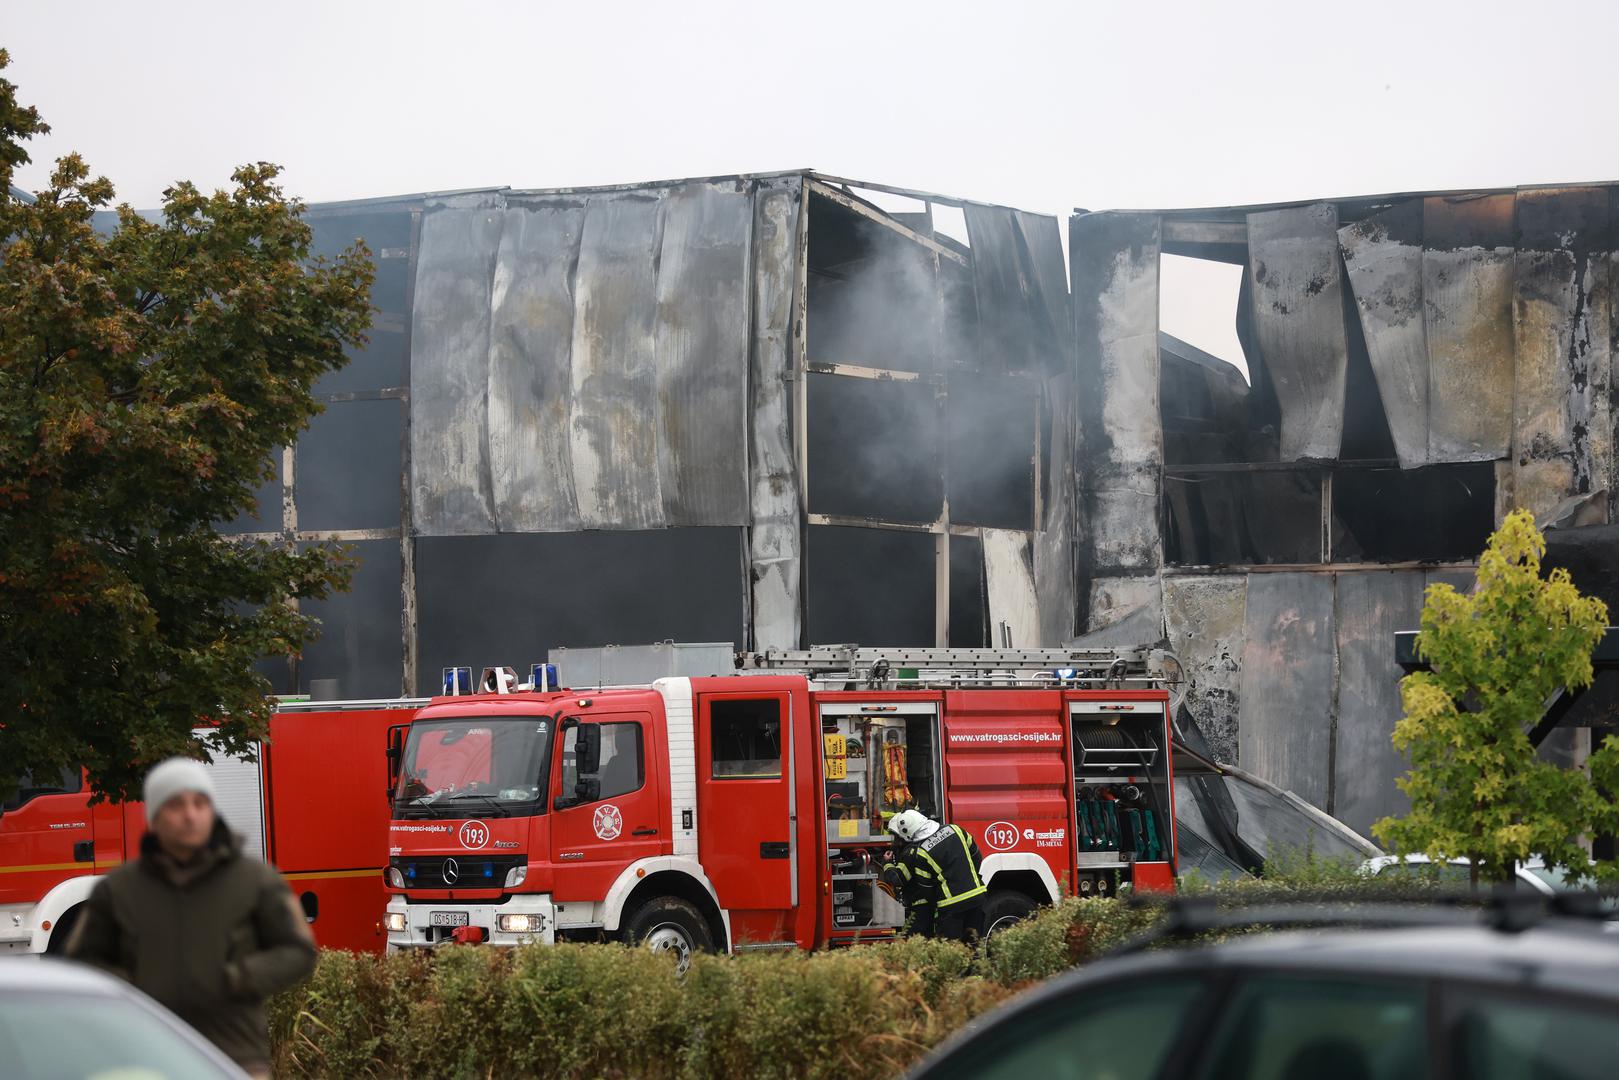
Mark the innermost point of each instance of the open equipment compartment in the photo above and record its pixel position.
(1123, 795)
(878, 757)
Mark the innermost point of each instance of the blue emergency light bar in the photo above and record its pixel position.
(457, 680)
(542, 676)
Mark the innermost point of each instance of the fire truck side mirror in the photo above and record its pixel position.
(588, 749)
(396, 756)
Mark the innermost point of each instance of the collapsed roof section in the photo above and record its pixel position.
(1415, 330)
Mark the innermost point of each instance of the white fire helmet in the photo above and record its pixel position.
(912, 826)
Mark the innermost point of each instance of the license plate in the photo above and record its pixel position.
(446, 918)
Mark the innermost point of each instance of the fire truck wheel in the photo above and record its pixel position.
(1003, 909)
(669, 924)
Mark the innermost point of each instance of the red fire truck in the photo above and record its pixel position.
(313, 804)
(748, 810)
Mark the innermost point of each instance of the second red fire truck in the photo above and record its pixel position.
(749, 810)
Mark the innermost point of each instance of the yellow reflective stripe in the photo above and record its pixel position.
(981, 890)
(318, 875)
(978, 889)
(967, 853)
(40, 868)
(938, 871)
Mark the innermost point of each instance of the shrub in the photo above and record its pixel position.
(616, 1012)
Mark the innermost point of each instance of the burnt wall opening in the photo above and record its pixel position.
(511, 598)
(874, 448)
(869, 586)
(969, 601)
(1229, 497)
(922, 425)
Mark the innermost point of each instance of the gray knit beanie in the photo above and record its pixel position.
(170, 778)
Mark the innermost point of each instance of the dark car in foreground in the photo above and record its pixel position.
(63, 1021)
(1465, 997)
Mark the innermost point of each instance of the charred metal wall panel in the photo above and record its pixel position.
(1048, 275)
(1288, 677)
(1115, 298)
(1467, 316)
(1126, 611)
(1562, 443)
(531, 366)
(1204, 621)
(585, 358)
(1298, 314)
(1014, 613)
(774, 545)
(702, 342)
(1383, 258)
(449, 366)
(1022, 297)
(612, 411)
(1372, 607)
(1054, 570)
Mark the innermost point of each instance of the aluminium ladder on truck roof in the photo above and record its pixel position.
(1083, 668)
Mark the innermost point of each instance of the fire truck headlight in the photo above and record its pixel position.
(396, 877)
(515, 877)
(394, 921)
(520, 924)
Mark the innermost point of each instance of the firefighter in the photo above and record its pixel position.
(937, 867)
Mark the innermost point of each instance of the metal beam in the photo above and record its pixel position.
(1235, 569)
(1204, 232)
(850, 521)
(1280, 466)
(319, 536)
(855, 371)
(880, 218)
(409, 639)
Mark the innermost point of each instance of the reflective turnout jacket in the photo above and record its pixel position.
(940, 873)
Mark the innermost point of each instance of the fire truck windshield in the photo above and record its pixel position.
(465, 767)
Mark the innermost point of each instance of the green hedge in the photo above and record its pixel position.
(612, 1011)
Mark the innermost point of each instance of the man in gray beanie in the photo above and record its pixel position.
(206, 930)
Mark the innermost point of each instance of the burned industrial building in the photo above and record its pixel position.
(789, 409)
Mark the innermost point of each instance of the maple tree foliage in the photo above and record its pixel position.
(147, 373)
(1497, 655)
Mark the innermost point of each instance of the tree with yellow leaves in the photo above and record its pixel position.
(1497, 657)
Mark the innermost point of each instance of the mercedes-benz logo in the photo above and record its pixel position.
(452, 870)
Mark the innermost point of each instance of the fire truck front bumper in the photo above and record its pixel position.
(523, 918)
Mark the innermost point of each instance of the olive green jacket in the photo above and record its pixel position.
(210, 940)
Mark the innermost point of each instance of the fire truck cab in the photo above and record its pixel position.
(749, 811)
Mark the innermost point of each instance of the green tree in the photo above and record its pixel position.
(1497, 656)
(146, 374)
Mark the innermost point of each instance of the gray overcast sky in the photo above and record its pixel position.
(1044, 106)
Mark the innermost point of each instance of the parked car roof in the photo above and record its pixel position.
(1557, 959)
(43, 991)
